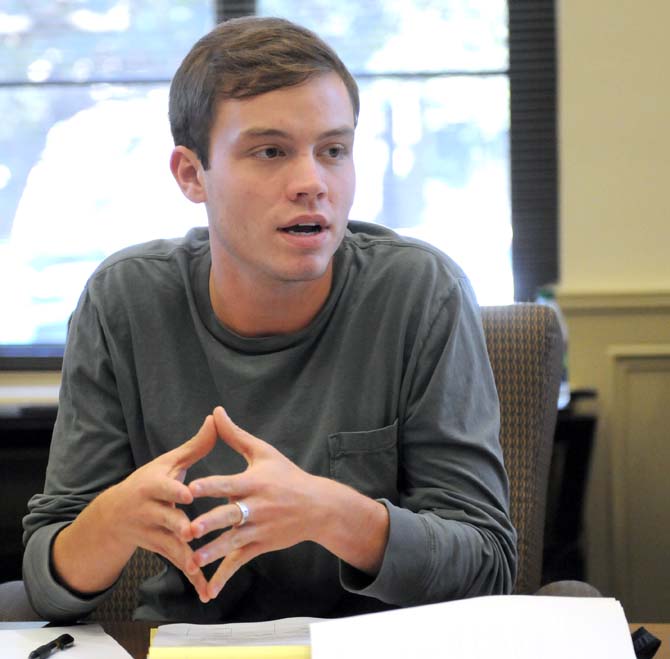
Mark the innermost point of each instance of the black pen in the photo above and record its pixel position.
(61, 643)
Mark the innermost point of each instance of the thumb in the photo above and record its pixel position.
(238, 439)
(195, 448)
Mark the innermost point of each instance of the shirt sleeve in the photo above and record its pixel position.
(89, 452)
(47, 595)
(450, 533)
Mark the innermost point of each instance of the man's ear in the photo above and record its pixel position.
(188, 172)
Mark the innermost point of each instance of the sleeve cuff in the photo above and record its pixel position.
(404, 566)
(47, 595)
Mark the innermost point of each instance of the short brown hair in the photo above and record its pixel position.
(241, 58)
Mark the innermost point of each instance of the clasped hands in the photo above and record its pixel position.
(278, 518)
(287, 506)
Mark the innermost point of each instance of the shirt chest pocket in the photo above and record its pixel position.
(367, 461)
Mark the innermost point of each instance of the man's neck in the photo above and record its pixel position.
(250, 309)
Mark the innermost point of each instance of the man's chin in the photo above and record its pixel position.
(305, 276)
(315, 271)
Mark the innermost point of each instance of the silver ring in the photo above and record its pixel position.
(244, 509)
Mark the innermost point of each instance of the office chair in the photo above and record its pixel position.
(525, 348)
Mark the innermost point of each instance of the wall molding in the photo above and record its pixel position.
(579, 302)
(26, 388)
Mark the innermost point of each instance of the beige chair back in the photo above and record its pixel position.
(526, 348)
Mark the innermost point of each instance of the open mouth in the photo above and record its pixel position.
(303, 229)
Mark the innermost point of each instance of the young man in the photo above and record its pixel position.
(356, 355)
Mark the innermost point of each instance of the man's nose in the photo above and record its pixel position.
(307, 179)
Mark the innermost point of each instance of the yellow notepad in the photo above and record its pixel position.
(232, 652)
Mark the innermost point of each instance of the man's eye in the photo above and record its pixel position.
(335, 151)
(269, 153)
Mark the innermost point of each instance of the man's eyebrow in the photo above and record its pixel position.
(342, 131)
(255, 132)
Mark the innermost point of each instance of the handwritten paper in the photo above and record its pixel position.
(287, 638)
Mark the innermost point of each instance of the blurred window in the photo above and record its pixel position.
(85, 141)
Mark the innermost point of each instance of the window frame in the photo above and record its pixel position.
(533, 145)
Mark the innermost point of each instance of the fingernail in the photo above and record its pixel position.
(198, 530)
(196, 488)
(223, 411)
(203, 557)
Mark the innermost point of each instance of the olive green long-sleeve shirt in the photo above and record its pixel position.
(389, 389)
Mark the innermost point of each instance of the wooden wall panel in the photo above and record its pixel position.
(640, 429)
(619, 344)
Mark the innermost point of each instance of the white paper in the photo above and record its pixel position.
(286, 631)
(90, 642)
(504, 627)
